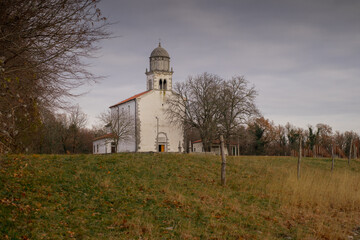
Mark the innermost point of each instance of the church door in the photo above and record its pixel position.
(113, 147)
(161, 148)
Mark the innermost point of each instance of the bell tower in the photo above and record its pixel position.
(160, 76)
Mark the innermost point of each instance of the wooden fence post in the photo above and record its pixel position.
(223, 161)
(299, 159)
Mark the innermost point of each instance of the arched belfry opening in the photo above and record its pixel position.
(160, 72)
(164, 85)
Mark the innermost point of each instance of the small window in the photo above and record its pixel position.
(164, 85)
(160, 84)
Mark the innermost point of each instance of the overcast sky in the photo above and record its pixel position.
(302, 56)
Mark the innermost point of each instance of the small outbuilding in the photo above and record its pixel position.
(197, 147)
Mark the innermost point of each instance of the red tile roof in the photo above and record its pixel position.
(130, 98)
(109, 135)
(214, 142)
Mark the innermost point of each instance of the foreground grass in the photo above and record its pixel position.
(170, 196)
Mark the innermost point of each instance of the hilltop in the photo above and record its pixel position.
(176, 196)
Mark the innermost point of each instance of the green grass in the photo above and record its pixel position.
(174, 196)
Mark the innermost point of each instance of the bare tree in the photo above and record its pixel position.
(120, 124)
(64, 133)
(64, 130)
(236, 105)
(212, 105)
(77, 121)
(325, 137)
(50, 137)
(197, 106)
(43, 44)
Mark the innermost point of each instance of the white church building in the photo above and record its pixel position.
(153, 132)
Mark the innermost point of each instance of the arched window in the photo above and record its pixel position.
(160, 84)
(164, 85)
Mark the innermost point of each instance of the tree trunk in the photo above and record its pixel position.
(206, 144)
(74, 145)
(63, 142)
(223, 161)
(299, 160)
(314, 151)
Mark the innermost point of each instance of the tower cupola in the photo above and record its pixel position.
(159, 60)
(160, 75)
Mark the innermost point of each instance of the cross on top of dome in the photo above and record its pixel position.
(159, 52)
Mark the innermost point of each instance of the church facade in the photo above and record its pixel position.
(152, 130)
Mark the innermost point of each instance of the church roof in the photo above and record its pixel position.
(216, 141)
(159, 52)
(109, 135)
(130, 98)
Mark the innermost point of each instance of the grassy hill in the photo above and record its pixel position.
(176, 196)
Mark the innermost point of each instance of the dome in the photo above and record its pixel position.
(159, 52)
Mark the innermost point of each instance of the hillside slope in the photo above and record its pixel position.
(176, 196)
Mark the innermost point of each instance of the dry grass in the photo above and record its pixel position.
(176, 196)
(328, 202)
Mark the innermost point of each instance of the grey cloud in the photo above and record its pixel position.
(303, 56)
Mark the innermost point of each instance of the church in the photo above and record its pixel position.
(152, 130)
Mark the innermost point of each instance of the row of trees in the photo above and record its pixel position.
(42, 47)
(63, 133)
(262, 137)
(209, 105)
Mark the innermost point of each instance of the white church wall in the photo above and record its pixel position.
(197, 147)
(153, 120)
(129, 144)
(102, 146)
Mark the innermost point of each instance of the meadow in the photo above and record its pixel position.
(177, 196)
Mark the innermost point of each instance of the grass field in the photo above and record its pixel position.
(176, 196)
